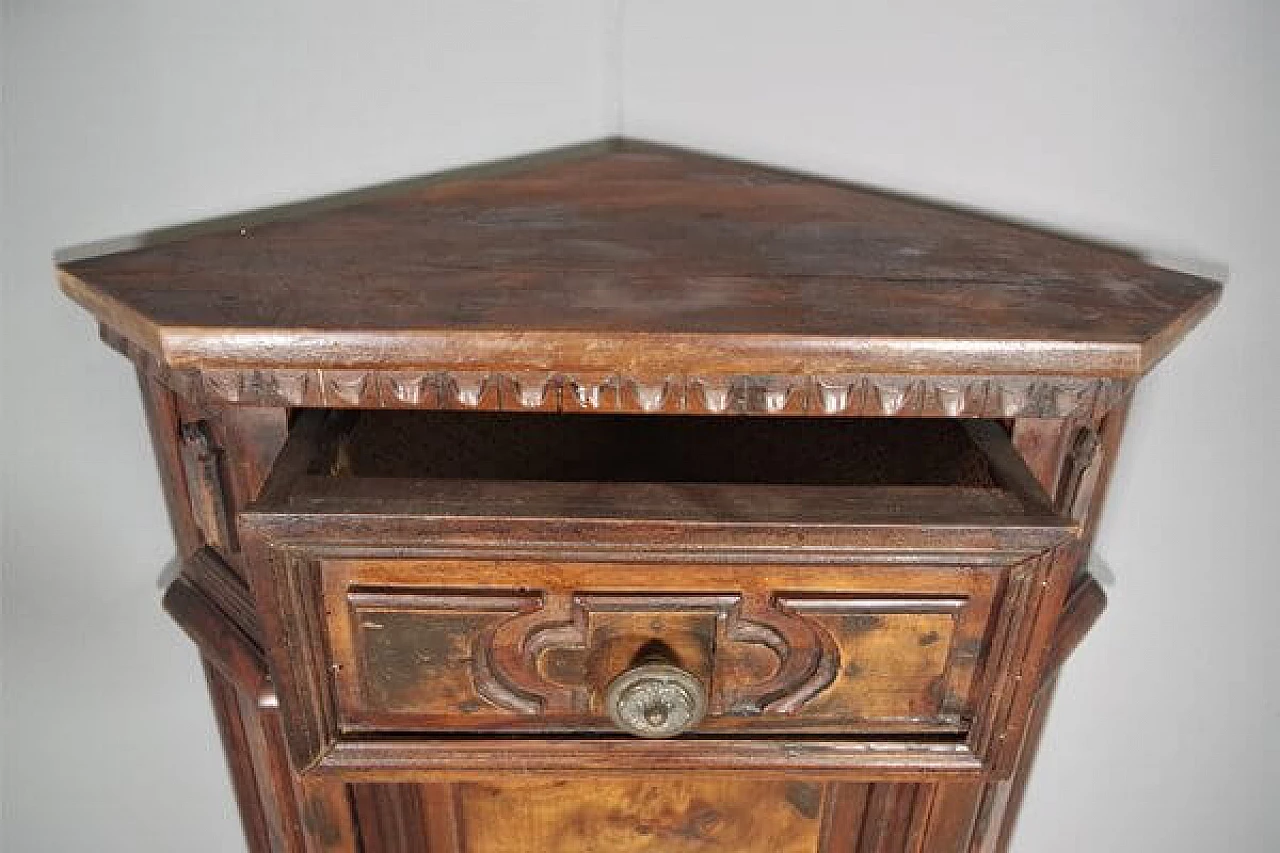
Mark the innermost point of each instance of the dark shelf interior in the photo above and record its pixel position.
(668, 449)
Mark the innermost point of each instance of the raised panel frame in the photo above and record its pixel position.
(290, 590)
(514, 630)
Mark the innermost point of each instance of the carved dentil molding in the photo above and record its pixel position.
(854, 394)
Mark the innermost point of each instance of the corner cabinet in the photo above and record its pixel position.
(624, 498)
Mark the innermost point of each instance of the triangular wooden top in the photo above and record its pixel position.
(640, 260)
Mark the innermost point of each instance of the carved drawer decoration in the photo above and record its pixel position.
(405, 659)
(868, 656)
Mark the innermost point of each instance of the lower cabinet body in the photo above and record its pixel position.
(288, 812)
(409, 658)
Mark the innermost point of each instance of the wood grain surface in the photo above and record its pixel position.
(645, 261)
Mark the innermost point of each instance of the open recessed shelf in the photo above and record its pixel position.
(678, 449)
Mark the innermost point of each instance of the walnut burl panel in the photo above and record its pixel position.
(680, 816)
(656, 816)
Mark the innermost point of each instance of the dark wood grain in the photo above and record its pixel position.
(244, 783)
(648, 261)
(1079, 482)
(164, 413)
(224, 646)
(392, 821)
(1002, 800)
(871, 653)
(281, 811)
(946, 818)
(887, 822)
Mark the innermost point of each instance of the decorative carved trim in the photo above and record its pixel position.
(505, 659)
(218, 581)
(206, 492)
(774, 632)
(861, 395)
(1078, 471)
(807, 655)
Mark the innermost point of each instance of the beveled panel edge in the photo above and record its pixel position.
(222, 642)
(956, 544)
(1016, 666)
(992, 388)
(1084, 606)
(219, 582)
(851, 760)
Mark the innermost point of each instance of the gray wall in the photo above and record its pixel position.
(1151, 123)
(123, 116)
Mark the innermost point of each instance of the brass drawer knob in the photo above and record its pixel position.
(656, 700)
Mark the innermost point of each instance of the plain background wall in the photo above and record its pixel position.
(1152, 122)
(127, 115)
(1155, 124)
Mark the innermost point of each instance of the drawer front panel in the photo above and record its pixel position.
(478, 646)
(415, 653)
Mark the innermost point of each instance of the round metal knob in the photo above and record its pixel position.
(656, 700)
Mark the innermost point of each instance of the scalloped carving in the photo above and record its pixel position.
(858, 395)
(893, 396)
(410, 390)
(838, 395)
(345, 388)
(508, 660)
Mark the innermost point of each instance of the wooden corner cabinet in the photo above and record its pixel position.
(625, 499)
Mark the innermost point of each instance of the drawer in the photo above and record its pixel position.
(514, 646)
(439, 594)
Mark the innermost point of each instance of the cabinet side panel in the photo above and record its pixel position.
(1040, 443)
(1110, 430)
(1001, 801)
(248, 439)
(324, 805)
(164, 421)
(282, 812)
(204, 491)
(244, 783)
(1013, 790)
(274, 780)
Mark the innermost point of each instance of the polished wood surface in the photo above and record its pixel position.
(642, 817)
(409, 620)
(644, 261)
(859, 651)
